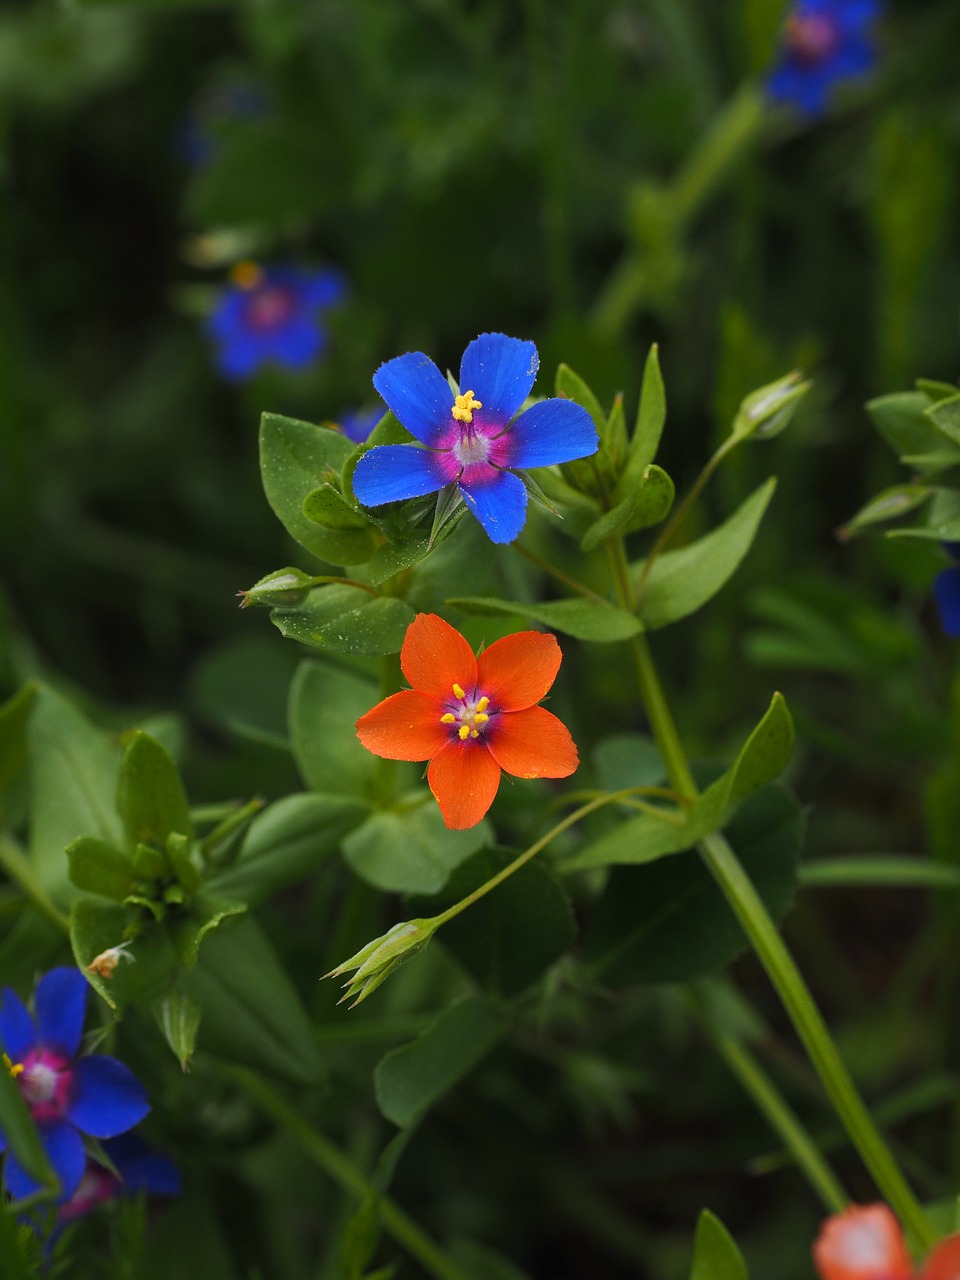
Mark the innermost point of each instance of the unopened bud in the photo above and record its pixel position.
(283, 587)
(377, 960)
(767, 411)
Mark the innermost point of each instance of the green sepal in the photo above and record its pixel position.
(97, 867)
(149, 863)
(179, 851)
(584, 619)
(178, 1017)
(342, 619)
(680, 582)
(328, 508)
(647, 504)
(715, 1254)
(155, 908)
(151, 800)
(173, 895)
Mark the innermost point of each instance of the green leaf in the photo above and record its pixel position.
(325, 704)
(13, 1264)
(99, 868)
(343, 619)
(73, 785)
(888, 505)
(681, 582)
(668, 922)
(14, 714)
(285, 844)
(16, 1125)
(411, 850)
(251, 1013)
(328, 508)
(151, 801)
(903, 421)
(409, 1080)
(295, 459)
(178, 1017)
(97, 926)
(646, 504)
(198, 920)
(509, 938)
(397, 556)
(715, 1255)
(946, 414)
(571, 386)
(583, 619)
(651, 416)
(645, 838)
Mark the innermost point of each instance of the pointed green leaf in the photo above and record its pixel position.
(342, 619)
(600, 622)
(651, 416)
(178, 1017)
(409, 1080)
(328, 508)
(97, 867)
(647, 504)
(715, 1255)
(151, 800)
(888, 505)
(681, 582)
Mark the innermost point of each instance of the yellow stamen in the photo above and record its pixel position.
(464, 732)
(246, 275)
(449, 718)
(464, 406)
(483, 704)
(458, 692)
(13, 1067)
(480, 718)
(474, 733)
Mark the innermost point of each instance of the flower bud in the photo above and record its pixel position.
(766, 411)
(282, 587)
(377, 960)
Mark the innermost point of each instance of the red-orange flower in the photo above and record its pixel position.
(472, 716)
(866, 1242)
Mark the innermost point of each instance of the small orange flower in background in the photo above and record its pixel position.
(472, 716)
(866, 1242)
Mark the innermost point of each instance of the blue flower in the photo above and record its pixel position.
(358, 424)
(272, 314)
(472, 439)
(68, 1095)
(946, 592)
(824, 43)
(139, 1167)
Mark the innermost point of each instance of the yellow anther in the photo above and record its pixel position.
(474, 733)
(458, 692)
(246, 275)
(13, 1067)
(480, 718)
(449, 718)
(464, 732)
(483, 704)
(464, 406)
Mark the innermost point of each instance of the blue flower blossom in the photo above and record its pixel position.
(824, 43)
(68, 1095)
(358, 424)
(272, 315)
(946, 592)
(473, 439)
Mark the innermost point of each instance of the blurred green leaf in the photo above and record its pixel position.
(13, 1264)
(583, 619)
(97, 926)
(888, 505)
(410, 850)
(325, 704)
(342, 619)
(902, 420)
(681, 582)
(715, 1255)
(178, 1017)
(17, 1127)
(14, 714)
(647, 504)
(151, 801)
(97, 867)
(409, 1080)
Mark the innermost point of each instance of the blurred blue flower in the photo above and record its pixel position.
(824, 42)
(68, 1095)
(357, 424)
(272, 315)
(140, 1169)
(946, 592)
(472, 439)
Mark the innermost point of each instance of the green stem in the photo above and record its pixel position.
(22, 873)
(728, 138)
(783, 1120)
(772, 952)
(554, 572)
(346, 1175)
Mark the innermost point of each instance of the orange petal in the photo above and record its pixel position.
(865, 1242)
(405, 726)
(533, 744)
(517, 671)
(944, 1262)
(463, 778)
(435, 657)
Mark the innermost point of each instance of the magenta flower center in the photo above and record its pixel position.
(812, 37)
(467, 714)
(96, 1185)
(269, 307)
(45, 1083)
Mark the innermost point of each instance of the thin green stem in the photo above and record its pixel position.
(345, 1174)
(559, 574)
(783, 1120)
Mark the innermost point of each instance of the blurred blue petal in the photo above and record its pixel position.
(501, 372)
(141, 1168)
(418, 395)
(18, 1034)
(64, 1148)
(946, 592)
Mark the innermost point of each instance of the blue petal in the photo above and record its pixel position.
(500, 506)
(322, 288)
(552, 431)
(227, 318)
(392, 472)
(501, 371)
(106, 1097)
(142, 1169)
(418, 395)
(946, 592)
(18, 1034)
(61, 1003)
(299, 343)
(240, 356)
(64, 1148)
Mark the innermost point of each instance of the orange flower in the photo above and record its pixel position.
(472, 716)
(865, 1242)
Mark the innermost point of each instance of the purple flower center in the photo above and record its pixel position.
(811, 38)
(466, 714)
(269, 307)
(45, 1083)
